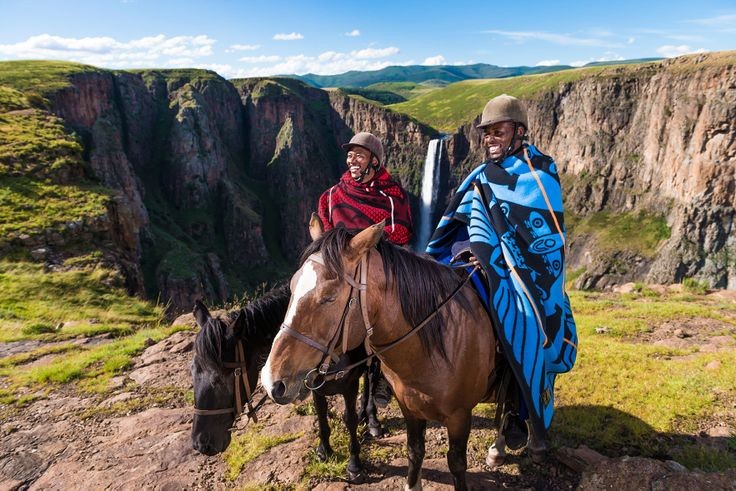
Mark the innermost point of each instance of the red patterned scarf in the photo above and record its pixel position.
(360, 205)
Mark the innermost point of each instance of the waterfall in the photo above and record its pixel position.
(430, 188)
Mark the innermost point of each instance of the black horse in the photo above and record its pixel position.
(217, 378)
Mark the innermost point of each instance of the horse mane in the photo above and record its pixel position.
(421, 282)
(261, 320)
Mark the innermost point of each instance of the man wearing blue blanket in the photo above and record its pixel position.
(507, 216)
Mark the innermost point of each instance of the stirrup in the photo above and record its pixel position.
(516, 441)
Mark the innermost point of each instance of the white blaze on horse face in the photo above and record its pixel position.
(306, 281)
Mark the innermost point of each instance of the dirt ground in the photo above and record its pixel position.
(132, 438)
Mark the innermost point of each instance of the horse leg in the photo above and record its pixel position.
(537, 447)
(355, 467)
(371, 411)
(415, 429)
(364, 396)
(497, 452)
(458, 430)
(320, 404)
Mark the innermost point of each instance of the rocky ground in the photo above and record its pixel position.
(137, 436)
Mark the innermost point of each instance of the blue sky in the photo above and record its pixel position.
(244, 38)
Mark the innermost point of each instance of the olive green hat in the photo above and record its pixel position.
(503, 108)
(367, 141)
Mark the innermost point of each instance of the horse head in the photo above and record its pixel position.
(324, 318)
(214, 377)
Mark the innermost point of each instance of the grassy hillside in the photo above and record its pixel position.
(42, 187)
(449, 108)
(421, 73)
(459, 103)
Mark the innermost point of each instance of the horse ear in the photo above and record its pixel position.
(201, 314)
(238, 323)
(367, 239)
(315, 227)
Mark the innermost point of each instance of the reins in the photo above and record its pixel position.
(239, 373)
(323, 369)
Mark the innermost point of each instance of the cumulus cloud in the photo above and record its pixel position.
(353, 34)
(562, 39)
(292, 36)
(607, 56)
(670, 51)
(108, 52)
(435, 60)
(260, 59)
(242, 47)
(326, 63)
(369, 53)
(548, 63)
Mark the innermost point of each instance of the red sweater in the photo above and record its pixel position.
(360, 205)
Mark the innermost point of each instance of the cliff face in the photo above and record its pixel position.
(213, 182)
(658, 139)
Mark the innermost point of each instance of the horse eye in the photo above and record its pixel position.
(325, 300)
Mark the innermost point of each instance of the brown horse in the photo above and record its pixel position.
(440, 374)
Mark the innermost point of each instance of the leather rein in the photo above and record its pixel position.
(338, 331)
(239, 373)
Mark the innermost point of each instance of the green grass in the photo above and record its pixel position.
(628, 396)
(41, 77)
(33, 207)
(87, 302)
(635, 231)
(90, 367)
(35, 142)
(249, 445)
(449, 108)
(407, 90)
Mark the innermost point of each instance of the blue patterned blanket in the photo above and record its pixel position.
(511, 214)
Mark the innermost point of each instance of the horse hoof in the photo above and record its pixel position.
(323, 454)
(538, 456)
(356, 477)
(375, 431)
(495, 458)
(416, 487)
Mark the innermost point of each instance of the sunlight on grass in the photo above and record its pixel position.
(249, 445)
(82, 302)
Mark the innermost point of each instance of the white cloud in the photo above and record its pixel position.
(242, 47)
(548, 63)
(108, 52)
(293, 36)
(728, 20)
(326, 63)
(375, 53)
(562, 39)
(352, 34)
(435, 60)
(260, 59)
(670, 51)
(686, 37)
(607, 56)
(631, 40)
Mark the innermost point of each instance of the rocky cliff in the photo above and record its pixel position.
(654, 140)
(209, 183)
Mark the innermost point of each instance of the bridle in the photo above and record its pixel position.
(337, 332)
(323, 369)
(239, 372)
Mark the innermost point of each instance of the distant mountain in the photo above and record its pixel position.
(441, 74)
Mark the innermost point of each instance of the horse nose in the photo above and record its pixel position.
(278, 389)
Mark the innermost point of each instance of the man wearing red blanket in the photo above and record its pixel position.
(366, 193)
